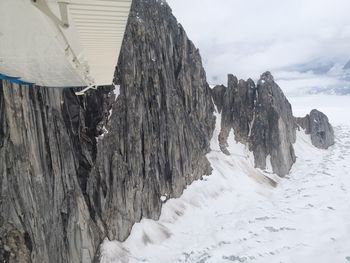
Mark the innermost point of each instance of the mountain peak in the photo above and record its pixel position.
(266, 77)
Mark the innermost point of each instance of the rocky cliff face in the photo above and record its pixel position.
(317, 125)
(261, 117)
(62, 191)
(161, 123)
(47, 145)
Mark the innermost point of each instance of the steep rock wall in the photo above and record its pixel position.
(161, 123)
(46, 147)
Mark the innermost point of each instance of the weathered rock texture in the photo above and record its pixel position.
(317, 125)
(161, 125)
(261, 117)
(47, 145)
(61, 190)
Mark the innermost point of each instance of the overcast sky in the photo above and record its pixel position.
(247, 37)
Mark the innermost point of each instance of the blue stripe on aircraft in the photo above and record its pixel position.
(15, 80)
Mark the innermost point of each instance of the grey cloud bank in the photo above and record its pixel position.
(249, 37)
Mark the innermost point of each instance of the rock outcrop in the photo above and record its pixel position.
(62, 191)
(317, 125)
(274, 129)
(261, 117)
(236, 104)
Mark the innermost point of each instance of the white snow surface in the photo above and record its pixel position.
(236, 215)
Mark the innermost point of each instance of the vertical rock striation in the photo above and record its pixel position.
(46, 150)
(161, 125)
(261, 117)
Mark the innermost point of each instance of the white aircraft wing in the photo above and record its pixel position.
(67, 43)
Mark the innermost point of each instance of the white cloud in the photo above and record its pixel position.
(247, 37)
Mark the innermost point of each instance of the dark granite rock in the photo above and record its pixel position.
(236, 103)
(47, 149)
(161, 125)
(274, 129)
(62, 191)
(261, 117)
(218, 94)
(317, 125)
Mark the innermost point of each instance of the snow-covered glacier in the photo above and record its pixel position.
(243, 214)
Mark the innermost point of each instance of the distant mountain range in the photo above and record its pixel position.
(330, 90)
(316, 77)
(340, 73)
(347, 65)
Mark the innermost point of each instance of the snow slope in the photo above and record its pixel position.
(236, 215)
